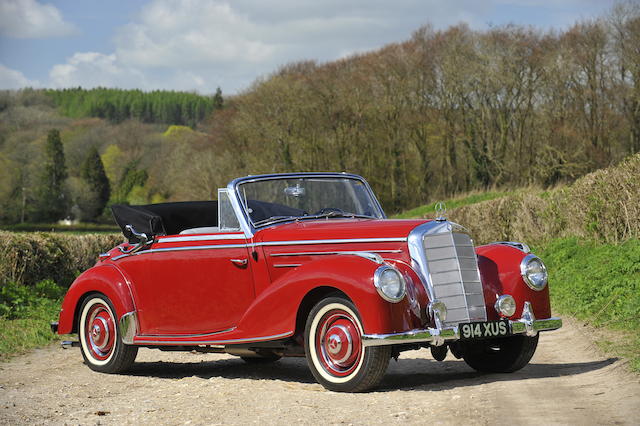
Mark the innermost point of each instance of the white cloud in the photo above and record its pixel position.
(203, 44)
(30, 19)
(93, 69)
(182, 33)
(12, 79)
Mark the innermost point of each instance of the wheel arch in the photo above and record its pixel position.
(104, 279)
(310, 300)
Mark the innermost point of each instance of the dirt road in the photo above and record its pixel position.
(567, 382)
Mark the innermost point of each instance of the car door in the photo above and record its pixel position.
(197, 284)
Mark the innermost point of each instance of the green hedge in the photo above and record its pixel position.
(28, 258)
(602, 206)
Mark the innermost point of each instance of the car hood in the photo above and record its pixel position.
(338, 228)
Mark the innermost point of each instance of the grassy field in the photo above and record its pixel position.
(428, 210)
(25, 314)
(598, 284)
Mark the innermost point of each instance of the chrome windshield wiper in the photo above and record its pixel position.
(275, 219)
(338, 214)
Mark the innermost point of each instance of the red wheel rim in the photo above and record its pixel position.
(99, 332)
(339, 341)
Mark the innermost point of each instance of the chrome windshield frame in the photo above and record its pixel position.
(247, 225)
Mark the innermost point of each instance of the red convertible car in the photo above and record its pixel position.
(306, 264)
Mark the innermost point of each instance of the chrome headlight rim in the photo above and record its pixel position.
(527, 279)
(377, 282)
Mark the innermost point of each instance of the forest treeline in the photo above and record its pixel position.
(455, 110)
(445, 112)
(117, 105)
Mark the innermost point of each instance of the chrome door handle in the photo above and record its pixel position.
(239, 262)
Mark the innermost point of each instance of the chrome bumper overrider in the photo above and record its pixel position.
(437, 337)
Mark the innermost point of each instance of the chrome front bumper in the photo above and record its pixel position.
(437, 337)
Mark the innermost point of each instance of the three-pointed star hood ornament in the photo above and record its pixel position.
(441, 211)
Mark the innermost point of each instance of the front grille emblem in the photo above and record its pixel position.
(441, 211)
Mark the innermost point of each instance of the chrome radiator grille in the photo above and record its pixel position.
(453, 272)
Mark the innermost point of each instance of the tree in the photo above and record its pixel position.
(51, 200)
(132, 177)
(94, 175)
(218, 100)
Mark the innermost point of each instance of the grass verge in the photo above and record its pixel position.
(428, 210)
(22, 334)
(25, 315)
(598, 284)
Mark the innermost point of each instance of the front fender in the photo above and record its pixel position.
(500, 273)
(275, 309)
(105, 279)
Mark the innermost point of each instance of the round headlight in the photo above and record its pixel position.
(505, 305)
(533, 272)
(389, 283)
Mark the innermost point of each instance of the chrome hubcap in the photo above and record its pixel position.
(100, 332)
(335, 344)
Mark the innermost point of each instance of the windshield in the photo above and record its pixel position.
(274, 200)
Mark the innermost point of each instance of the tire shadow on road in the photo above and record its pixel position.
(287, 369)
(429, 375)
(404, 374)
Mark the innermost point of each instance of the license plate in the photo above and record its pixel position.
(484, 329)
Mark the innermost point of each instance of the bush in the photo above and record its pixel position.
(17, 301)
(602, 206)
(28, 258)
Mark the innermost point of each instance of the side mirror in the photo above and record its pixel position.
(142, 238)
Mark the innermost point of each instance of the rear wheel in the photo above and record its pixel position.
(98, 328)
(504, 355)
(334, 350)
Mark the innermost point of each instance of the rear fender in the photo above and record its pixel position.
(105, 279)
(500, 272)
(275, 309)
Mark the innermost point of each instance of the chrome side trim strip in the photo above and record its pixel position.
(268, 243)
(128, 327)
(320, 253)
(187, 336)
(287, 265)
(336, 241)
(214, 342)
(184, 248)
(208, 237)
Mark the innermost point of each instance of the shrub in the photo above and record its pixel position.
(602, 206)
(17, 301)
(28, 258)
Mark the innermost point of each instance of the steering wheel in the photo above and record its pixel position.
(328, 210)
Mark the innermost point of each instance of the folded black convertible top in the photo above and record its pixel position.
(165, 218)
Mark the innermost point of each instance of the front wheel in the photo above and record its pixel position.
(334, 350)
(98, 328)
(504, 355)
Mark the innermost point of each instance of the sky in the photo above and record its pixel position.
(199, 45)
